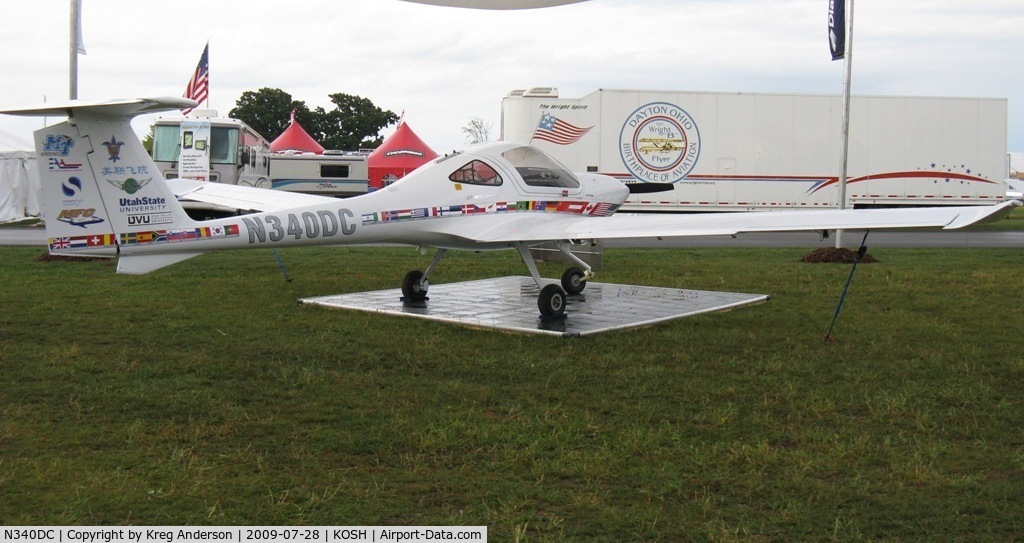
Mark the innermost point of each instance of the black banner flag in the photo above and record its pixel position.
(837, 28)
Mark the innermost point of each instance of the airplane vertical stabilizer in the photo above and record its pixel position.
(101, 190)
(77, 221)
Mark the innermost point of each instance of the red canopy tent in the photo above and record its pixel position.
(295, 138)
(400, 154)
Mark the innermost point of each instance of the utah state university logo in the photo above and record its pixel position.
(659, 143)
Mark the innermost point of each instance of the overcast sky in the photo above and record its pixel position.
(442, 66)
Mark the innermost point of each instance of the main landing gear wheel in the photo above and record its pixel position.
(414, 288)
(573, 282)
(551, 301)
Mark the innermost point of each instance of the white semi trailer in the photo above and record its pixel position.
(740, 151)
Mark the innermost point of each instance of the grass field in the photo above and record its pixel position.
(203, 394)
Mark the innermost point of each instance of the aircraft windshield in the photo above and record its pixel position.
(540, 170)
(476, 173)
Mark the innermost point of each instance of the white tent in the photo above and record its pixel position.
(19, 179)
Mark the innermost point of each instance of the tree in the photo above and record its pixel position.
(477, 131)
(268, 110)
(354, 123)
(147, 142)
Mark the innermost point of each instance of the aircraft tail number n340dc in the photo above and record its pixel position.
(110, 199)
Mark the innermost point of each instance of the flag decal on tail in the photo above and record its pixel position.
(81, 242)
(188, 234)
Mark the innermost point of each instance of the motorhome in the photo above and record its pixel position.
(334, 173)
(235, 154)
(238, 155)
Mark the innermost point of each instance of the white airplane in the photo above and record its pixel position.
(108, 198)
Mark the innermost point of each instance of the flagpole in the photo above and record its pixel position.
(73, 48)
(847, 76)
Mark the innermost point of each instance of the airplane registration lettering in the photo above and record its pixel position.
(329, 222)
(312, 227)
(294, 226)
(276, 233)
(307, 225)
(255, 229)
(347, 228)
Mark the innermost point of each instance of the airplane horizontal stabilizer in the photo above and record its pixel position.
(111, 108)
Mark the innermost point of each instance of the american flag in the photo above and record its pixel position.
(199, 86)
(557, 131)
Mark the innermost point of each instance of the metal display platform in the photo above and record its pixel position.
(510, 303)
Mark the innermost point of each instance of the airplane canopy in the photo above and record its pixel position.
(295, 138)
(401, 153)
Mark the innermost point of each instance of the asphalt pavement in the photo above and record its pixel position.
(23, 236)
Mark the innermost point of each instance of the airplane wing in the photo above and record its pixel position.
(238, 197)
(107, 108)
(512, 228)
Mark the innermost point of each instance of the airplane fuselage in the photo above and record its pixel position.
(407, 212)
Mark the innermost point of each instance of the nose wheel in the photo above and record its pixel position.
(574, 280)
(414, 286)
(416, 283)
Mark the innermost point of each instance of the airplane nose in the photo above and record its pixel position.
(605, 188)
(610, 189)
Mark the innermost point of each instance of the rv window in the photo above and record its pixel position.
(334, 170)
(165, 143)
(223, 145)
(476, 173)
